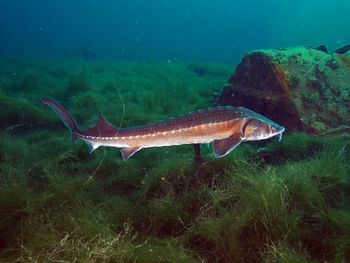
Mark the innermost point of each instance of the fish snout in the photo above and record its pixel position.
(277, 130)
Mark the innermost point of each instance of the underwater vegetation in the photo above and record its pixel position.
(266, 202)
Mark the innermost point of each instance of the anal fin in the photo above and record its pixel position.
(127, 152)
(224, 146)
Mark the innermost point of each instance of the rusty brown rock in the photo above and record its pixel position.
(301, 88)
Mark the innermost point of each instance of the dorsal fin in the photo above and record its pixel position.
(102, 122)
(102, 128)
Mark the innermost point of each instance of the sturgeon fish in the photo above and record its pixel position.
(225, 126)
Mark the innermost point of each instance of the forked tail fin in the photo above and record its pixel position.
(64, 115)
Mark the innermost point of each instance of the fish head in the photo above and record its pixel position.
(260, 129)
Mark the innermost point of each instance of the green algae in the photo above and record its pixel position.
(284, 254)
(20, 116)
(275, 202)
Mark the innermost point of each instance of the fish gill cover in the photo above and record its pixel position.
(139, 63)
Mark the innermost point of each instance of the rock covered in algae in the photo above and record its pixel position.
(301, 88)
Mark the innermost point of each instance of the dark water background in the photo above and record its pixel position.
(220, 31)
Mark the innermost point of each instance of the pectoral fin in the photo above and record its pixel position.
(127, 152)
(224, 146)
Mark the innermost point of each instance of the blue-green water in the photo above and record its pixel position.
(188, 30)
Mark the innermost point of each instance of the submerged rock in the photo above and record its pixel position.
(302, 89)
